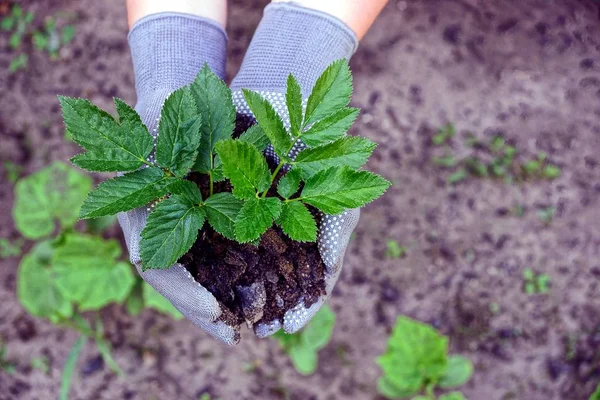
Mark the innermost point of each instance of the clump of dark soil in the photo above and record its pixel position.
(255, 282)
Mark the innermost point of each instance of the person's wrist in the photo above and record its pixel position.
(297, 40)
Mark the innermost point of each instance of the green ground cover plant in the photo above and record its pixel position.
(494, 158)
(416, 363)
(303, 347)
(195, 134)
(534, 283)
(69, 276)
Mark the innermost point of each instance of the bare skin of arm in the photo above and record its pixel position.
(359, 15)
(212, 9)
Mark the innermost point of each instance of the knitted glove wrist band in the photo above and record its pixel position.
(291, 39)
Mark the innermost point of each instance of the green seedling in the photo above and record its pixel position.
(546, 214)
(12, 171)
(51, 39)
(195, 134)
(5, 364)
(19, 62)
(502, 162)
(535, 283)
(394, 250)
(10, 249)
(68, 272)
(416, 363)
(41, 363)
(303, 347)
(444, 135)
(17, 23)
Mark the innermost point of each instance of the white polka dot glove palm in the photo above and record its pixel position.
(294, 40)
(168, 50)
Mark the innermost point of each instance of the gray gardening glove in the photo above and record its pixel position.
(293, 39)
(168, 50)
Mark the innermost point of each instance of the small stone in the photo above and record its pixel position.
(253, 299)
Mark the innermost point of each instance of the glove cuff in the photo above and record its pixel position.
(168, 50)
(293, 39)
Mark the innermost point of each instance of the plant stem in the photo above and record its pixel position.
(281, 164)
(210, 177)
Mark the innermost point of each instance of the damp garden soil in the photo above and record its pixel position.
(255, 282)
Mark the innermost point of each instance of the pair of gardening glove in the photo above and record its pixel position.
(168, 50)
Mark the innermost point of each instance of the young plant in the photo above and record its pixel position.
(10, 249)
(303, 347)
(17, 23)
(394, 250)
(69, 273)
(6, 365)
(417, 361)
(535, 283)
(51, 39)
(596, 394)
(195, 134)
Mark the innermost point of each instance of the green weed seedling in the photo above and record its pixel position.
(17, 23)
(10, 249)
(12, 171)
(494, 159)
(5, 364)
(41, 363)
(195, 134)
(394, 250)
(69, 274)
(546, 214)
(416, 363)
(535, 283)
(303, 347)
(51, 39)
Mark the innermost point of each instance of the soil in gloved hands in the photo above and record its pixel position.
(255, 283)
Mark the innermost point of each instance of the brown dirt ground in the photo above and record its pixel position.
(529, 70)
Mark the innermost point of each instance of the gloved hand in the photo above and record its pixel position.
(168, 50)
(303, 42)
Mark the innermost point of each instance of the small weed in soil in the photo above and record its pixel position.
(394, 250)
(417, 361)
(535, 283)
(245, 225)
(492, 159)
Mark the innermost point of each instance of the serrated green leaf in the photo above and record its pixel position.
(213, 100)
(318, 332)
(245, 167)
(222, 210)
(171, 230)
(331, 92)
(293, 99)
(155, 300)
(289, 184)
(126, 192)
(55, 192)
(110, 146)
(36, 290)
(255, 136)
(338, 188)
(255, 217)
(179, 133)
(131, 123)
(330, 128)
(270, 122)
(458, 372)
(86, 271)
(187, 189)
(297, 222)
(349, 151)
(416, 355)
